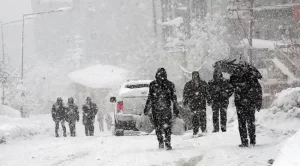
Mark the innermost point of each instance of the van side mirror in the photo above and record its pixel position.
(113, 99)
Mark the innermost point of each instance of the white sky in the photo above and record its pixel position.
(14, 9)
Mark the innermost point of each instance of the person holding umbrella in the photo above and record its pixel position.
(248, 96)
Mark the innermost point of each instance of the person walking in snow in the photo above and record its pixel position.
(248, 100)
(161, 94)
(89, 113)
(247, 96)
(100, 119)
(220, 90)
(58, 115)
(108, 120)
(72, 115)
(195, 95)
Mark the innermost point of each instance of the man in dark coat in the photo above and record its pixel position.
(59, 115)
(161, 94)
(247, 96)
(195, 95)
(89, 113)
(220, 90)
(72, 114)
(248, 99)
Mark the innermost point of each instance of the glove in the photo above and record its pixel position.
(209, 103)
(185, 103)
(258, 106)
(176, 112)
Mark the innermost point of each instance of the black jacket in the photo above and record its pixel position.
(248, 91)
(89, 112)
(58, 112)
(220, 89)
(72, 113)
(161, 94)
(196, 96)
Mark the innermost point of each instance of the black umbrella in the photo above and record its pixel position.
(239, 69)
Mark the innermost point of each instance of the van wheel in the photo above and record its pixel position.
(119, 132)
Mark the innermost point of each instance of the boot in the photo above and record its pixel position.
(243, 145)
(252, 143)
(168, 146)
(56, 135)
(161, 145)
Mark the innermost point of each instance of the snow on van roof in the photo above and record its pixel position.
(100, 76)
(133, 82)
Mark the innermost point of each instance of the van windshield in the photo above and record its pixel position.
(135, 86)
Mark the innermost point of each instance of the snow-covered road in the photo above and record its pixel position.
(216, 149)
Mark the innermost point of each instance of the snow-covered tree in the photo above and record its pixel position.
(206, 45)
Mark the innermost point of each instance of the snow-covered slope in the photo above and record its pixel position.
(12, 126)
(289, 154)
(9, 112)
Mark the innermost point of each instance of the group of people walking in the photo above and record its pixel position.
(197, 94)
(70, 114)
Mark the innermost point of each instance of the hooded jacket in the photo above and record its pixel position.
(196, 95)
(58, 111)
(247, 91)
(161, 94)
(220, 89)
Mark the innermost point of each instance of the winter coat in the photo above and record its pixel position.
(89, 113)
(161, 93)
(58, 112)
(220, 89)
(196, 96)
(72, 113)
(248, 91)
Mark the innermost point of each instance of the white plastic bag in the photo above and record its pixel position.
(144, 124)
(178, 126)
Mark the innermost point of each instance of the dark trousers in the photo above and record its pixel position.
(62, 125)
(219, 112)
(199, 120)
(72, 126)
(89, 129)
(246, 118)
(163, 123)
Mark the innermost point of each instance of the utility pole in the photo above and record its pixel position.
(250, 33)
(154, 21)
(2, 43)
(211, 9)
(22, 54)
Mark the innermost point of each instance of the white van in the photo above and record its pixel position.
(129, 105)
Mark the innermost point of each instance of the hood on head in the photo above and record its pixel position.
(161, 74)
(217, 75)
(195, 76)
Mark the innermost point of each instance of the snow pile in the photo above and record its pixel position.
(12, 128)
(100, 76)
(287, 100)
(7, 111)
(289, 154)
(284, 112)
